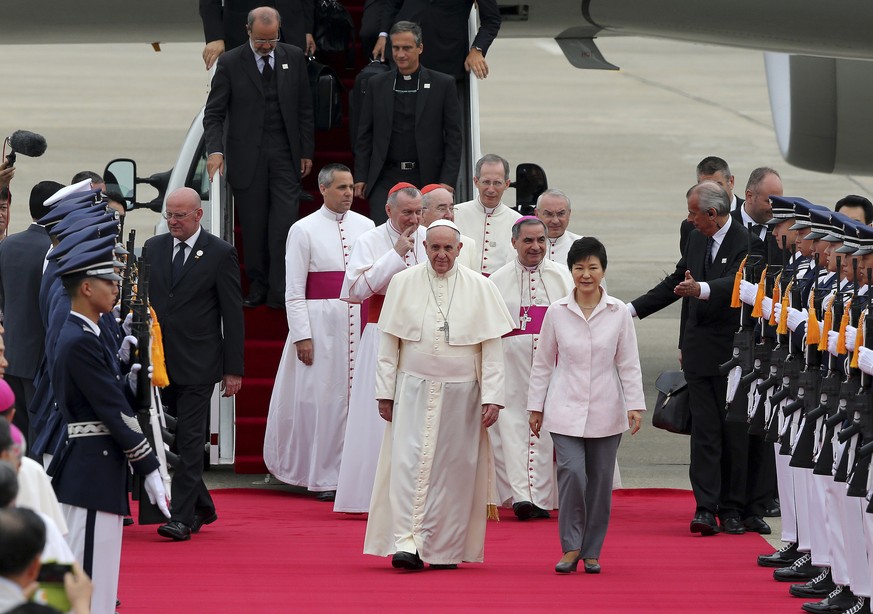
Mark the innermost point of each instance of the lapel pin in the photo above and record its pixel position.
(284, 67)
(724, 260)
(198, 254)
(427, 86)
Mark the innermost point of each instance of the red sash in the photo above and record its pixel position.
(374, 307)
(536, 313)
(324, 285)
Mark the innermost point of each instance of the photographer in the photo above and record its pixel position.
(22, 538)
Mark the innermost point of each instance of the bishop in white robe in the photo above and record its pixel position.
(529, 284)
(553, 208)
(440, 384)
(374, 260)
(306, 423)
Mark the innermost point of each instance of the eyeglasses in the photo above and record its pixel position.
(549, 215)
(265, 41)
(445, 208)
(491, 184)
(177, 216)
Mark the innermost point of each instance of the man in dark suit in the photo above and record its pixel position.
(410, 126)
(195, 290)
(704, 279)
(444, 25)
(22, 256)
(224, 24)
(261, 90)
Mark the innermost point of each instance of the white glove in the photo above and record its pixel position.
(865, 360)
(154, 487)
(124, 351)
(832, 342)
(767, 307)
(733, 382)
(851, 332)
(748, 292)
(133, 376)
(127, 325)
(796, 318)
(777, 309)
(116, 313)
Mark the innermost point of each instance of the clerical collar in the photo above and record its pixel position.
(530, 269)
(488, 210)
(332, 215)
(446, 275)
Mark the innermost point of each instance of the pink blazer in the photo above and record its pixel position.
(586, 374)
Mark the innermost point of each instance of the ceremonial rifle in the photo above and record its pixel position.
(777, 359)
(127, 281)
(831, 387)
(848, 391)
(863, 410)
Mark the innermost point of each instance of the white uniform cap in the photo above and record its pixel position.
(82, 186)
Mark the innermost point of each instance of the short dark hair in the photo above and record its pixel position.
(325, 175)
(711, 165)
(584, 248)
(853, 200)
(407, 26)
(4, 194)
(758, 175)
(492, 159)
(8, 484)
(89, 175)
(516, 228)
(22, 539)
(39, 194)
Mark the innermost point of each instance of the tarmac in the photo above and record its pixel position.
(622, 144)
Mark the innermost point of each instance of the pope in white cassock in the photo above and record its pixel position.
(553, 208)
(529, 284)
(486, 219)
(440, 384)
(307, 419)
(377, 255)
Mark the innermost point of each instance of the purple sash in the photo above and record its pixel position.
(322, 285)
(536, 313)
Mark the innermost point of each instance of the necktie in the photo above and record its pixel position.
(756, 230)
(267, 73)
(708, 261)
(179, 261)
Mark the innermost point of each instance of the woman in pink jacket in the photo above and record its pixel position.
(586, 389)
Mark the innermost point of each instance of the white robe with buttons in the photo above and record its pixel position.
(492, 233)
(306, 423)
(431, 490)
(558, 248)
(372, 264)
(524, 463)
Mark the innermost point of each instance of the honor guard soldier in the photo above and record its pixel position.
(104, 435)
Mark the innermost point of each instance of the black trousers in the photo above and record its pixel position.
(719, 449)
(23, 389)
(266, 209)
(190, 406)
(390, 176)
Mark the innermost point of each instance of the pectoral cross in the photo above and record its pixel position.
(524, 319)
(445, 329)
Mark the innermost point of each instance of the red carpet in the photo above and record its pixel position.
(278, 552)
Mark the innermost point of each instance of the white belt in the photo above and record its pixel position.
(87, 429)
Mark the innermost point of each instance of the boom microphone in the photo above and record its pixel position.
(26, 143)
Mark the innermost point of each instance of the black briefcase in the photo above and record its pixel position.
(672, 412)
(327, 110)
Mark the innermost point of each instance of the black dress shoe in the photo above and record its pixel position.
(405, 560)
(862, 606)
(704, 523)
(756, 524)
(801, 571)
(783, 557)
(327, 495)
(201, 519)
(128, 520)
(838, 600)
(539, 512)
(732, 525)
(818, 587)
(773, 509)
(255, 298)
(523, 509)
(443, 565)
(175, 530)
